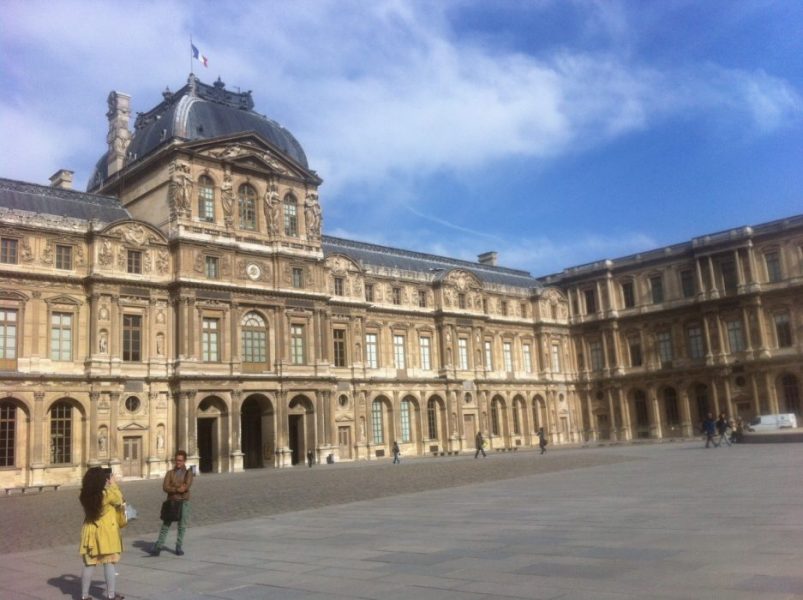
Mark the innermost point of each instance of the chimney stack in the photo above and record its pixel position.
(487, 258)
(118, 137)
(62, 179)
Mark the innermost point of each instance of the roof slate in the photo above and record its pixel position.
(47, 200)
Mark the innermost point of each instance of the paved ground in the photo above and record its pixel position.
(665, 521)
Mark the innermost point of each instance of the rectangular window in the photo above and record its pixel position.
(405, 421)
(210, 340)
(527, 357)
(507, 356)
(338, 286)
(298, 278)
(628, 297)
(735, 335)
(297, 355)
(422, 298)
(134, 261)
(489, 356)
(206, 202)
(687, 283)
(212, 267)
(657, 289)
(339, 339)
(503, 307)
(783, 330)
(556, 358)
(371, 351)
(664, 341)
(634, 344)
(61, 336)
(290, 217)
(61, 434)
(461, 300)
(398, 351)
(132, 338)
(8, 434)
(424, 347)
(64, 257)
(773, 267)
(396, 295)
(729, 278)
(369, 292)
(8, 251)
(377, 422)
(8, 334)
(462, 353)
(696, 345)
(595, 351)
(591, 301)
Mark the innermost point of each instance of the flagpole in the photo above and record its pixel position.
(191, 73)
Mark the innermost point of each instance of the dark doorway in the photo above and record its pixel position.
(251, 423)
(296, 427)
(206, 445)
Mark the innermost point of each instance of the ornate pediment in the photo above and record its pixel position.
(340, 265)
(132, 427)
(252, 152)
(135, 233)
(463, 280)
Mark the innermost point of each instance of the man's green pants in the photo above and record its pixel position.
(182, 527)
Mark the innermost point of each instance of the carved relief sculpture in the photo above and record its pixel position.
(162, 263)
(180, 187)
(312, 214)
(105, 255)
(227, 196)
(25, 251)
(103, 342)
(272, 208)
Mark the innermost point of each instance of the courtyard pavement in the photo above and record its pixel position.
(662, 521)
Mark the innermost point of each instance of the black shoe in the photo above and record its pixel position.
(179, 551)
(155, 550)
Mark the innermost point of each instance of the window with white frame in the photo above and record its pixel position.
(556, 358)
(8, 434)
(696, 343)
(398, 352)
(424, 346)
(61, 435)
(371, 351)
(489, 355)
(297, 353)
(8, 251)
(254, 339)
(61, 336)
(339, 346)
(527, 358)
(507, 356)
(210, 340)
(290, 216)
(377, 421)
(462, 353)
(206, 199)
(404, 421)
(664, 342)
(595, 352)
(247, 205)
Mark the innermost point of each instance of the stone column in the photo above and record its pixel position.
(685, 413)
(740, 280)
(93, 461)
(236, 431)
(727, 404)
(654, 412)
(772, 396)
(152, 461)
(612, 413)
(712, 274)
(700, 283)
(114, 442)
(40, 445)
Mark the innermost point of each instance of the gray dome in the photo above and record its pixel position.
(196, 112)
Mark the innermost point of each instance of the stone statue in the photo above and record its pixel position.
(102, 442)
(182, 185)
(160, 342)
(312, 214)
(103, 342)
(160, 440)
(271, 208)
(227, 194)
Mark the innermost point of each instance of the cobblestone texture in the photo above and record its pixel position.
(53, 518)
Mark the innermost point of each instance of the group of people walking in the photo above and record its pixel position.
(719, 431)
(480, 444)
(104, 515)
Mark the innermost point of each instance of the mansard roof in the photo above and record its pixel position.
(47, 200)
(436, 266)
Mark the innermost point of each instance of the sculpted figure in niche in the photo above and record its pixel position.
(160, 344)
(102, 441)
(272, 208)
(227, 194)
(160, 439)
(182, 184)
(312, 214)
(103, 342)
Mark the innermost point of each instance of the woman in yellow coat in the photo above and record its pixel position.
(100, 534)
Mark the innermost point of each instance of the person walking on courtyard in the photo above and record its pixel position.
(310, 458)
(542, 441)
(709, 429)
(176, 485)
(100, 534)
(480, 443)
(396, 452)
(722, 429)
(738, 430)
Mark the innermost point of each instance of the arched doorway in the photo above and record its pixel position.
(213, 438)
(410, 423)
(436, 421)
(300, 428)
(258, 433)
(640, 410)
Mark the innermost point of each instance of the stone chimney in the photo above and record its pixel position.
(487, 258)
(62, 179)
(118, 137)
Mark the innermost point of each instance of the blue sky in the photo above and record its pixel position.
(554, 132)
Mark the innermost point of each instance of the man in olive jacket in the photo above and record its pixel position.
(176, 485)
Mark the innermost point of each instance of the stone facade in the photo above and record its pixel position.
(206, 311)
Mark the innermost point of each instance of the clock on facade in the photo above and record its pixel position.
(253, 271)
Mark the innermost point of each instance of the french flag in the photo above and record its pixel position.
(201, 58)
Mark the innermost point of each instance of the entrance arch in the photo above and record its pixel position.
(257, 424)
(300, 428)
(213, 435)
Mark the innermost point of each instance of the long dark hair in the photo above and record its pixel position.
(91, 497)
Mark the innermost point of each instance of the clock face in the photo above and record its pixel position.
(253, 271)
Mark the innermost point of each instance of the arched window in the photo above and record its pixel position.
(432, 418)
(61, 433)
(248, 207)
(405, 421)
(8, 434)
(671, 407)
(290, 216)
(516, 418)
(377, 421)
(791, 394)
(206, 199)
(254, 339)
(495, 429)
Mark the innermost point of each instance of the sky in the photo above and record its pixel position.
(554, 132)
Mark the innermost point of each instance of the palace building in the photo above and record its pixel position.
(189, 300)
